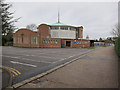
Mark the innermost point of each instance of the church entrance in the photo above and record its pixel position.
(68, 43)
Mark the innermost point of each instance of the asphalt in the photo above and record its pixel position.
(6, 78)
(29, 62)
(99, 69)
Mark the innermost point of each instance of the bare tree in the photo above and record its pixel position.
(116, 31)
(31, 27)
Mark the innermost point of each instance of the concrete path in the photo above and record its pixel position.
(98, 69)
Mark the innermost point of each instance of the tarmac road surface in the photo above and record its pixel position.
(24, 63)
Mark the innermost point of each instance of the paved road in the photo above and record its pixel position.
(0, 78)
(27, 62)
(6, 78)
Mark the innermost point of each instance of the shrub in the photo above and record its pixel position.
(7, 40)
(117, 46)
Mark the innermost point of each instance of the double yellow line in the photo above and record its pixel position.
(12, 70)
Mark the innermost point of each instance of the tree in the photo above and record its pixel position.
(100, 39)
(96, 40)
(31, 27)
(7, 23)
(87, 37)
(116, 31)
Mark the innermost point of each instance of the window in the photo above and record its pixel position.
(51, 41)
(71, 28)
(31, 40)
(54, 27)
(64, 28)
(46, 41)
(24, 40)
(18, 40)
(36, 40)
(14, 40)
(56, 41)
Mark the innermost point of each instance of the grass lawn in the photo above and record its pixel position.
(101, 45)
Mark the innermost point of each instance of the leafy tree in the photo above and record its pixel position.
(31, 27)
(7, 24)
(96, 40)
(100, 39)
(87, 37)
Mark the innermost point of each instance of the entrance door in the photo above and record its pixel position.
(68, 43)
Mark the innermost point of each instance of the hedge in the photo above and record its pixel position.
(7, 40)
(117, 46)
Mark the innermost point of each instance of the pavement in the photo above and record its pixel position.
(99, 69)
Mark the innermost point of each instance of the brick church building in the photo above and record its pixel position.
(53, 35)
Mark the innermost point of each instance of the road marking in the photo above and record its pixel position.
(14, 71)
(72, 56)
(47, 57)
(64, 58)
(9, 56)
(41, 56)
(27, 59)
(36, 61)
(23, 64)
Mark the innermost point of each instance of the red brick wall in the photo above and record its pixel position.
(43, 31)
(79, 43)
(26, 41)
(80, 32)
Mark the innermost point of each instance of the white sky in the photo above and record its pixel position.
(97, 18)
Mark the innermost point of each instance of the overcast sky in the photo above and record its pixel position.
(97, 18)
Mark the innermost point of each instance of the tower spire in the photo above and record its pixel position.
(58, 17)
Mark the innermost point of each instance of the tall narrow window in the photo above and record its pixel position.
(56, 41)
(36, 40)
(48, 41)
(31, 40)
(53, 41)
(14, 40)
(22, 38)
(43, 41)
(18, 40)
